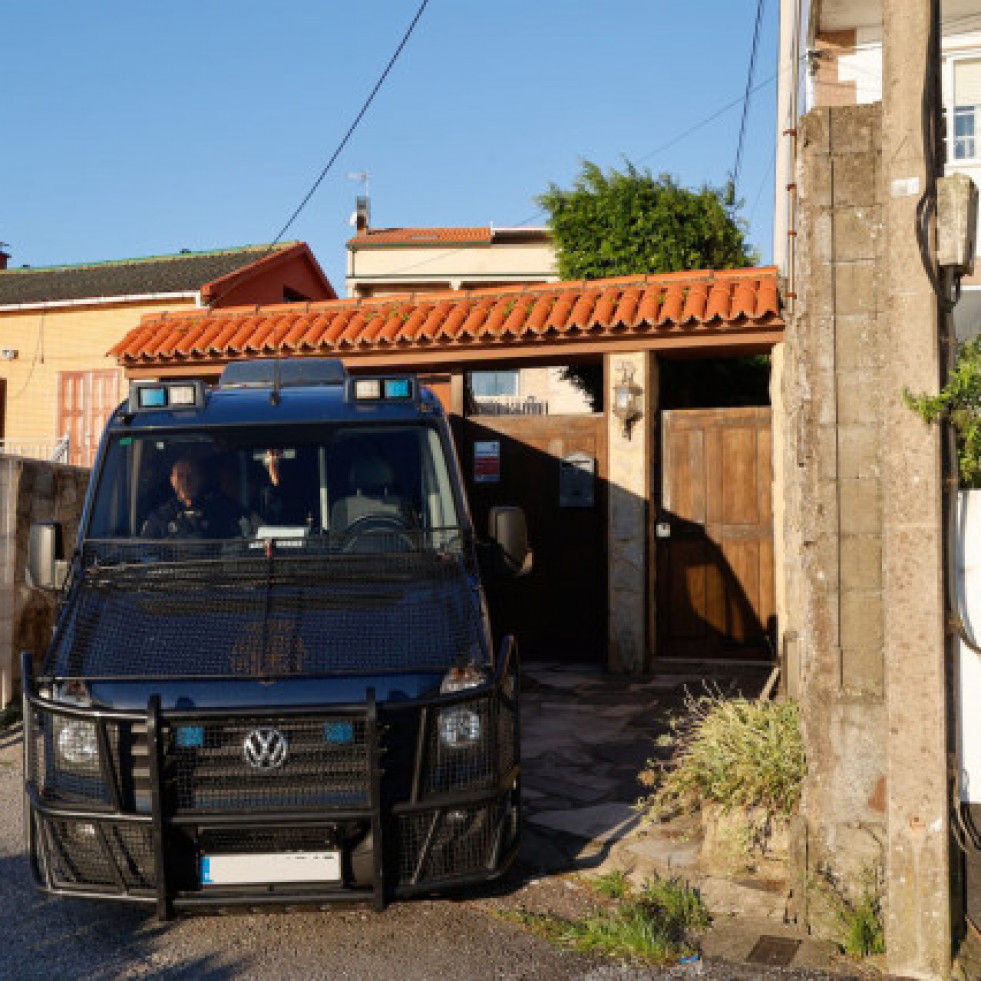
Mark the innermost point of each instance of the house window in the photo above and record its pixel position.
(964, 133)
(484, 384)
(966, 100)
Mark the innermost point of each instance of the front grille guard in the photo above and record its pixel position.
(126, 857)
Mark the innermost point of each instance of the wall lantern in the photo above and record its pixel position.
(626, 398)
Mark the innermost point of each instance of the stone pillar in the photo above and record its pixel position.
(828, 506)
(790, 673)
(629, 488)
(918, 920)
(8, 550)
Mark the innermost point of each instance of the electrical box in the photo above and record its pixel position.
(957, 222)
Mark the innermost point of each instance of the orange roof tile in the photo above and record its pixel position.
(650, 305)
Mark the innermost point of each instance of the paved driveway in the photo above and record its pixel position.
(580, 761)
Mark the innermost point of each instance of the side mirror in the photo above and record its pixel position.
(508, 531)
(46, 568)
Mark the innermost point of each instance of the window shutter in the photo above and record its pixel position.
(967, 82)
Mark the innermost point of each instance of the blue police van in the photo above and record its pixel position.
(272, 679)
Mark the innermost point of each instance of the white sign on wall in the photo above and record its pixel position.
(486, 461)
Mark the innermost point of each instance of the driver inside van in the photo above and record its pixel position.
(196, 510)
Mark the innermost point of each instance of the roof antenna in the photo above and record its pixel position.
(361, 219)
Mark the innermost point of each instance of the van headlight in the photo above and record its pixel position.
(76, 742)
(461, 726)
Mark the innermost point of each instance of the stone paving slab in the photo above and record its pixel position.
(599, 821)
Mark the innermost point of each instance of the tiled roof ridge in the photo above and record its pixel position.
(430, 296)
(169, 256)
(422, 229)
(423, 236)
(703, 299)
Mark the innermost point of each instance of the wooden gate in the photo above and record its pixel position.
(86, 399)
(542, 463)
(714, 535)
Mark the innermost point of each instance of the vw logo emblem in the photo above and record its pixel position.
(265, 748)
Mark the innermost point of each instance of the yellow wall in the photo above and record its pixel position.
(54, 340)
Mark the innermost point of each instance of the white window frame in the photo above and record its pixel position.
(950, 104)
(514, 372)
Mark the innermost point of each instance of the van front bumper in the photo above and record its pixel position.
(284, 805)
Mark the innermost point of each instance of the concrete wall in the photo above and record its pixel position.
(831, 444)
(30, 490)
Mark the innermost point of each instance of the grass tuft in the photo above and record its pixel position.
(612, 885)
(655, 925)
(733, 751)
(860, 916)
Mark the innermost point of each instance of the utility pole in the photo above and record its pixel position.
(918, 901)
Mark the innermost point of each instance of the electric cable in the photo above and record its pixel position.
(344, 140)
(660, 149)
(354, 125)
(760, 4)
(947, 293)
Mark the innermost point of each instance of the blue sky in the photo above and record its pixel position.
(133, 129)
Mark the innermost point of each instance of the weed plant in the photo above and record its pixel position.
(656, 924)
(612, 885)
(732, 751)
(860, 916)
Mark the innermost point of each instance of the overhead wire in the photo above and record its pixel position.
(344, 140)
(354, 125)
(760, 4)
(684, 134)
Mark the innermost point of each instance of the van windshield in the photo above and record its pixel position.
(377, 483)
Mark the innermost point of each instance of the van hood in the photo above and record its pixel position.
(268, 617)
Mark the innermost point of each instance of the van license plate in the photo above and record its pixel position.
(252, 869)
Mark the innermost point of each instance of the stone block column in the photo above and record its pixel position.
(629, 490)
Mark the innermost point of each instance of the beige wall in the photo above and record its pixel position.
(54, 340)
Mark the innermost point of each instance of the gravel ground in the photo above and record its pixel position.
(51, 938)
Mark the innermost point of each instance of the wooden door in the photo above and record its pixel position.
(558, 611)
(86, 399)
(714, 535)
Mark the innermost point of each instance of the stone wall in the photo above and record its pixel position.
(833, 380)
(30, 490)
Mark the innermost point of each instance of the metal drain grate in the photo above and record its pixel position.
(773, 951)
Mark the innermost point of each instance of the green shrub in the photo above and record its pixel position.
(735, 752)
(960, 402)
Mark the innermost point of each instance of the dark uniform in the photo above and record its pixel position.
(213, 515)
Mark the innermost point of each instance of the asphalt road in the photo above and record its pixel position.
(42, 937)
